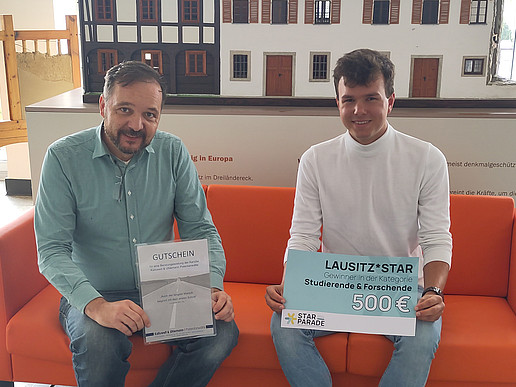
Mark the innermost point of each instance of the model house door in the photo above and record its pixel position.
(425, 77)
(278, 75)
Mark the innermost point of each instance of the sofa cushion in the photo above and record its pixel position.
(255, 348)
(40, 315)
(478, 341)
(254, 224)
(481, 227)
(478, 344)
(252, 316)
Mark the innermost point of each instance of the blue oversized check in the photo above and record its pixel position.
(348, 293)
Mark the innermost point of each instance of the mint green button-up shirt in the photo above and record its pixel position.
(92, 209)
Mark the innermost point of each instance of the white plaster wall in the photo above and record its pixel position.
(191, 34)
(169, 11)
(208, 11)
(170, 34)
(127, 34)
(105, 33)
(452, 41)
(126, 10)
(208, 35)
(149, 34)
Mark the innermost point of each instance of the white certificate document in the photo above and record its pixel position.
(175, 290)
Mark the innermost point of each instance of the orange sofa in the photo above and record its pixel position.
(478, 346)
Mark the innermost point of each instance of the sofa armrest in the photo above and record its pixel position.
(511, 294)
(20, 279)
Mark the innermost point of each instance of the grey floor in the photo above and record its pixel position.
(10, 208)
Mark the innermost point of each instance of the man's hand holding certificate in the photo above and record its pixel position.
(175, 290)
(345, 293)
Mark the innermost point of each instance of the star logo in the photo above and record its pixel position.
(291, 318)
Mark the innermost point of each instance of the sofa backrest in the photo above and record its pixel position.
(481, 227)
(254, 224)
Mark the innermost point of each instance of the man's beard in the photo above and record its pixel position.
(115, 139)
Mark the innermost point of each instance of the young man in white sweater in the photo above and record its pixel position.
(377, 192)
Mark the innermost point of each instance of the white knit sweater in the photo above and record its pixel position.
(387, 198)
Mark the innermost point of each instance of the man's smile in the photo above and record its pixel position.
(361, 122)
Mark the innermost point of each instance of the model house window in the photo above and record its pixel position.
(322, 12)
(473, 66)
(195, 63)
(191, 11)
(104, 10)
(240, 11)
(319, 66)
(106, 59)
(279, 11)
(430, 11)
(243, 11)
(148, 10)
(154, 59)
(381, 12)
(478, 12)
(240, 66)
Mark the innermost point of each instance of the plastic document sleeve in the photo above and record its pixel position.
(175, 291)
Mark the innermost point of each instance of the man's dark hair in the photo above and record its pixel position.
(363, 66)
(131, 71)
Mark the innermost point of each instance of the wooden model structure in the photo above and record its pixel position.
(14, 130)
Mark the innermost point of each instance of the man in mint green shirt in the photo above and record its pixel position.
(104, 190)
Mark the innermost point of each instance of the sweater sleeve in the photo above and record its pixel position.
(305, 231)
(434, 209)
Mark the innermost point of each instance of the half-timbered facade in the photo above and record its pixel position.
(179, 38)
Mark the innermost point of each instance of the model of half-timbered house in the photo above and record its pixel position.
(179, 38)
(441, 48)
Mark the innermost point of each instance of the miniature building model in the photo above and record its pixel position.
(442, 49)
(289, 47)
(179, 38)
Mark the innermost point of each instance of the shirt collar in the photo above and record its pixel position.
(102, 150)
(370, 149)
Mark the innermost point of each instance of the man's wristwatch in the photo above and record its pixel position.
(434, 289)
